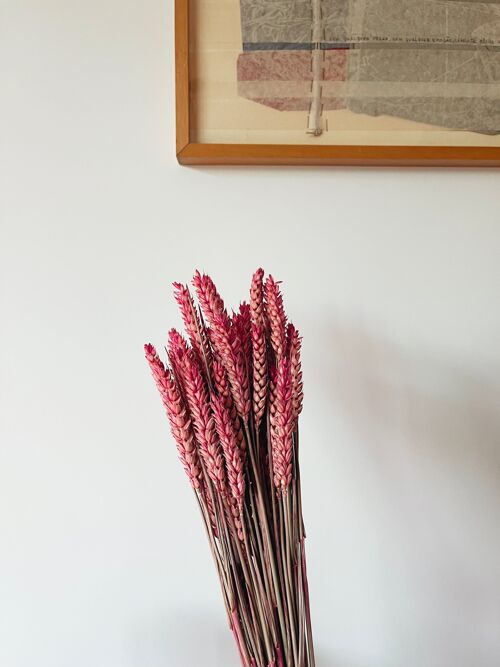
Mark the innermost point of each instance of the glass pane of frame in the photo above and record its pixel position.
(345, 72)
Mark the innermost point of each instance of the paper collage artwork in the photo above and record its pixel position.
(431, 61)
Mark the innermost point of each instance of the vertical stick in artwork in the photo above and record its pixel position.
(314, 122)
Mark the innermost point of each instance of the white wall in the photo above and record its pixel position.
(393, 277)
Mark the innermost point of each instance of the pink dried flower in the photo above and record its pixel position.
(232, 452)
(225, 368)
(204, 428)
(211, 302)
(276, 316)
(282, 426)
(294, 348)
(178, 416)
(241, 323)
(210, 506)
(177, 348)
(273, 375)
(221, 382)
(257, 297)
(235, 508)
(224, 391)
(194, 326)
(177, 344)
(259, 372)
(231, 353)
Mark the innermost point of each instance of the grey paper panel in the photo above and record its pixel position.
(335, 15)
(460, 73)
(421, 65)
(422, 21)
(473, 114)
(432, 20)
(276, 21)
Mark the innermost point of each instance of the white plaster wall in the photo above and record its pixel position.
(393, 277)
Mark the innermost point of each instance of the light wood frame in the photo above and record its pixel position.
(192, 153)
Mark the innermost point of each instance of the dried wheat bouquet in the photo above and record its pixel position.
(232, 391)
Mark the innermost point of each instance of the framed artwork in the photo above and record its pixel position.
(346, 82)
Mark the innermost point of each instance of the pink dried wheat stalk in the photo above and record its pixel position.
(276, 316)
(233, 394)
(282, 426)
(178, 416)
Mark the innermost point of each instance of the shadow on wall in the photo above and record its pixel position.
(188, 639)
(184, 639)
(426, 435)
(422, 405)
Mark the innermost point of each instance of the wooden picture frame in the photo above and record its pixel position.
(191, 152)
